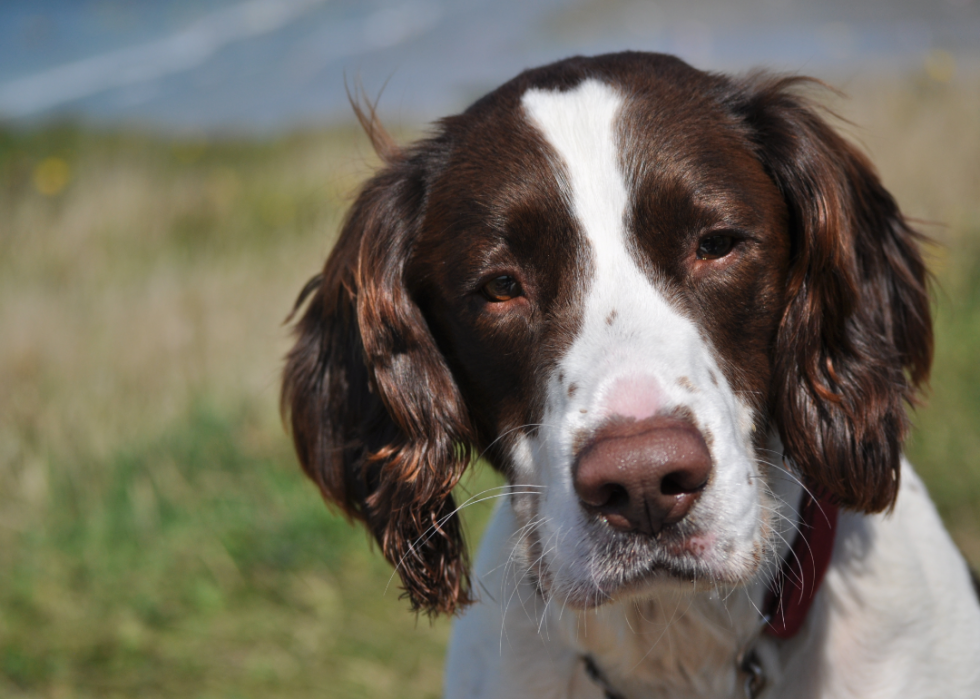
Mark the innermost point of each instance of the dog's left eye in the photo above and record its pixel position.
(502, 288)
(713, 247)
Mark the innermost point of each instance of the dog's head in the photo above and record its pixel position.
(615, 277)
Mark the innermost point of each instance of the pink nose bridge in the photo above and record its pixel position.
(637, 397)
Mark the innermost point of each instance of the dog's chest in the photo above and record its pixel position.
(674, 645)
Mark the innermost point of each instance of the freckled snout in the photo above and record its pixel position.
(643, 475)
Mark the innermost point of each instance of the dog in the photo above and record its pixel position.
(684, 319)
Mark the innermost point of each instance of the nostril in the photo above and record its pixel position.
(604, 496)
(612, 502)
(682, 483)
(671, 485)
(616, 499)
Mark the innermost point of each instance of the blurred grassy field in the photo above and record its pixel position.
(156, 536)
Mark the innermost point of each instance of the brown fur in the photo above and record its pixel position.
(376, 419)
(400, 366)
(855, 340)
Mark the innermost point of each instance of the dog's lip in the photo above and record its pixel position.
(681, 553)
(682, 567)
(673, 574)
(691, 560)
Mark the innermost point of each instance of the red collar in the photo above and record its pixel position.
(803, 568)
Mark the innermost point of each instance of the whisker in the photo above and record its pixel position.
(511, 430)
(436, 526)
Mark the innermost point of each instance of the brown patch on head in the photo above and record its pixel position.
(694, 174)
(713, 377)
(572, 387)
(497, 206)
(819, 312)
(686, 383)
(611, 318)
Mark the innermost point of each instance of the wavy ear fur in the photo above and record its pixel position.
(376, 418)
(855, 342)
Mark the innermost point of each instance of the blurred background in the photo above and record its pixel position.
(172, 172)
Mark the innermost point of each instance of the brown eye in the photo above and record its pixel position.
(502, 288)
(713, 247)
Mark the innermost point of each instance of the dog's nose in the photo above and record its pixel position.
(643, 475)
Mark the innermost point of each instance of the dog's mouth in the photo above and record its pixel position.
(619, 565)
(646, 504)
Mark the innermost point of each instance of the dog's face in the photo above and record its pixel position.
(614, 277)
(608, 298)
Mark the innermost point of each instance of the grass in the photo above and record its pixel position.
(156, 536)
(201, 565)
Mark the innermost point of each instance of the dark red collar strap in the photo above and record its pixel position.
(803, 568)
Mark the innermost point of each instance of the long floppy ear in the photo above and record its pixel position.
(376, 418)
(855, 342)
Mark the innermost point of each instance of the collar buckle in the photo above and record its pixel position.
(755, 676)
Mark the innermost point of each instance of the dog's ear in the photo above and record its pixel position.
(855, 341)
(377, 421)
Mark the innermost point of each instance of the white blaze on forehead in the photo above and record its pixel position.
(581, 126)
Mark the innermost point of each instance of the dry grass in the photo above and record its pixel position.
(150, 279)
(155, 534)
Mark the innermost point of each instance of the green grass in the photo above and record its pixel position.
(199, 565)
(157, 538)
(945, 446)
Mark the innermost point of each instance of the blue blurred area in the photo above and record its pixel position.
(262, 65)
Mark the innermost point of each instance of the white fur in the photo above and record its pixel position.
(639, 362)
(886, 622)
(894, 619)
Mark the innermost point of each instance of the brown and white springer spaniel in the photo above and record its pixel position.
(684, 319)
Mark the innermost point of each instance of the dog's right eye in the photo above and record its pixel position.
(502, 288)
(714, 247)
